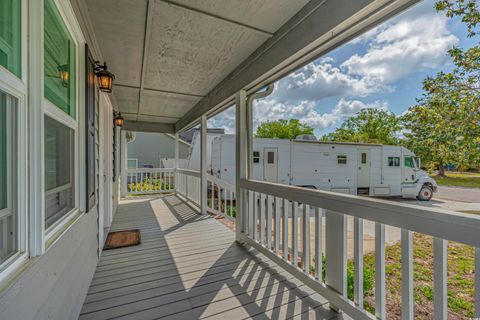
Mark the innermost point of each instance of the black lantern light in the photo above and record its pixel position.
(64, 74)
(118, 119)
(105, 78)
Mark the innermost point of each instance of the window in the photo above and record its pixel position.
(10, 35)
(341, 159)
(256, 157)
(9, 226)
(132, 164)
(364, 158)
(270, 157)
(59, 61)
(59, 170)
(408, 162)
(394, 161)
(60, 137)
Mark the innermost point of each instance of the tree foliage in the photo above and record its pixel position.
(444, 126)
(282, 129)
(368, 126)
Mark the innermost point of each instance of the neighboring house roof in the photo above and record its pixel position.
(188, 135)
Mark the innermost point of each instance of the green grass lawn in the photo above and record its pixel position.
(460, 279)
(457, 179)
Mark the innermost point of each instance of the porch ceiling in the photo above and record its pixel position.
(175, 60)
(168, 55)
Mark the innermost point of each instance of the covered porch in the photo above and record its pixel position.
(189, 266)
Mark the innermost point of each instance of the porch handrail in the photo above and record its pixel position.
(270, 209)
(188, 184)
(150, 180)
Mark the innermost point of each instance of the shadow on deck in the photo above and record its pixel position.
(190, 267)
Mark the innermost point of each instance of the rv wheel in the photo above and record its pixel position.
(425, 194)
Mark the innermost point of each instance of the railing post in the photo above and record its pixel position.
(203, 165)
(241, 159)
(175, 166)
(336, 252)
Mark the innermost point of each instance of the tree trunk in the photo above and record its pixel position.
(441, 169)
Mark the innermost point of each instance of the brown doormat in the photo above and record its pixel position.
(121, 239)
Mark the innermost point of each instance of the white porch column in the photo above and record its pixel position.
(241, 159)
(203, 164)
(123, 163)
(175, 165)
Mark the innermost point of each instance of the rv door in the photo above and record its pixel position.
(363, 172)
(270, 164)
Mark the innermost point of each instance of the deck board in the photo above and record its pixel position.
(189, 266)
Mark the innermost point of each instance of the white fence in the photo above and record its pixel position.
(150, 180)
(269, 210)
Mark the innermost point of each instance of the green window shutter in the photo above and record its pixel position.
(10, 35)
(59, 61)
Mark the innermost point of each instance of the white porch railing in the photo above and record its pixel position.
(221, 199)
(188, 184)
(270, 210)
(150, 180)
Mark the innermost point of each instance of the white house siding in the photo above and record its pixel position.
(54, 285)
(149, 148)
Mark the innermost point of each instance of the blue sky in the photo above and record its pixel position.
(383, 68)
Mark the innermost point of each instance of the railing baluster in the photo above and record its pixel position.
(255, 215)
(262, 218)
(295, 233)
(380, 311)
(277, 225)
(477, 283)
(306, 238)
(285, 228)
(318, 243)
(407, 274)
(150, 182)
(358, 260)
(251, 221)
(269, 222)
(440, 278)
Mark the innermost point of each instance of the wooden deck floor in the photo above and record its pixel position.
(189, 267)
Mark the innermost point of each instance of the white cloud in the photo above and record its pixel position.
(407, 46)
(414, 41)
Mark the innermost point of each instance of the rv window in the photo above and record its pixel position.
(342, 159)
(256, 157)
(408, 161)
(364, 158)
(394, 161)
(270, 157)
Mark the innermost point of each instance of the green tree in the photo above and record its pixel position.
(368, 126)
(444, 126)
(282, 129)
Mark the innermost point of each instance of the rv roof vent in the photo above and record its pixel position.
(306, 137)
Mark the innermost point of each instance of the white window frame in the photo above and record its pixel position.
(55, 231)
(16, 88)
(136, 163)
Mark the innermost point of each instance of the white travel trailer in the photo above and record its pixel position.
(353, 168)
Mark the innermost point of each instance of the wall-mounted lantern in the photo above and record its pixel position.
(64, 74)
(105, 78)
(118, 119)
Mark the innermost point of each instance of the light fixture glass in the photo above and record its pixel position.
(105, 78)
(64, 74)
(118, 119)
